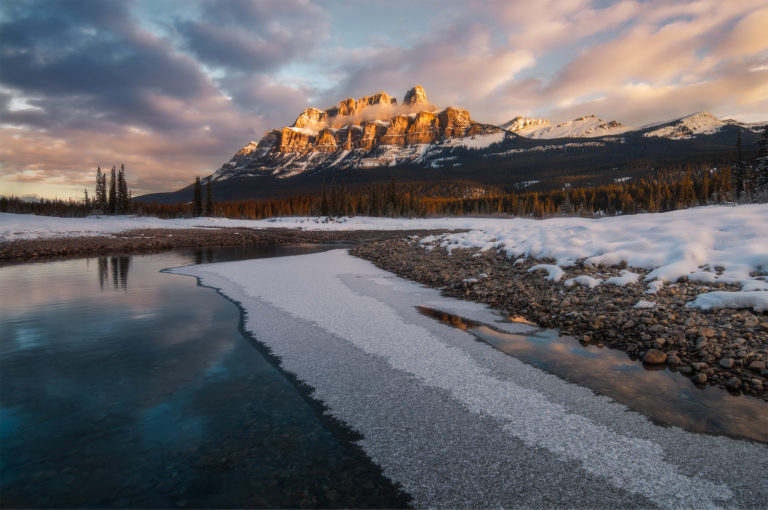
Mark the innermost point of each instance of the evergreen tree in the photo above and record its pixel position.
(86, 200)
(198, 198)
(208, 198)
(740, 170)
(761, 162)
(100, 204)
(112, 200)
(121, 191)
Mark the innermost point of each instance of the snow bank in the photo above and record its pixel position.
(706, 244)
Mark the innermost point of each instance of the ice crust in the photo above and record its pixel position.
(456, 422)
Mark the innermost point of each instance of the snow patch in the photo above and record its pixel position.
(585, 280)
(756, 300)
(554, 273)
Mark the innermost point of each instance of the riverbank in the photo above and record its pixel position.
(157, 239)
(723, 347)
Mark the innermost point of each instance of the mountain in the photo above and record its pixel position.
(374, 138)
(372, 131)
(584, 127)
(701, 123)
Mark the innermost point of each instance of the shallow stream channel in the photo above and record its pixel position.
(123, 385)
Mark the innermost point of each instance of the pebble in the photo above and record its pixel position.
(734, 383)
(699, 378)
(726, 362)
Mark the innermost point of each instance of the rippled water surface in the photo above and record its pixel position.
(122, 386)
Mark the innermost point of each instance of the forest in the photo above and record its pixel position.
(665, 190)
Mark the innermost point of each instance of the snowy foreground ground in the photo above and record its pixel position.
(707, 244)
(457, 423)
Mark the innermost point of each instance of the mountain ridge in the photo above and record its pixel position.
(373, 137)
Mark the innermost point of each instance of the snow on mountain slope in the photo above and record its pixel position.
(519, 123)
(589, 126)
(701, 123)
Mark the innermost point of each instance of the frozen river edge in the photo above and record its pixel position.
(454, 421)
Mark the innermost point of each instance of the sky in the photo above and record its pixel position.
(173, 88)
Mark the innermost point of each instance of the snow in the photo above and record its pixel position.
(583, 127)
(585, 280)
(644, 304)
(477, 141)
(554, 273)
(669, 245)
(701, 123)
(756, 300)
(690, 243)
(452, 420)
(626, 277)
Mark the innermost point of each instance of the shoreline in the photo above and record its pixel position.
(695, 343)
(155, 240)
(727, 348)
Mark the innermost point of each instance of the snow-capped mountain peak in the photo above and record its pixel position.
(589, 126)
(520, 123)
(701, 123)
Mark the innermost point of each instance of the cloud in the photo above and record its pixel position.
(89, 82)
(253, 36)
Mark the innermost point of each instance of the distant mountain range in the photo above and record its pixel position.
(373, 137)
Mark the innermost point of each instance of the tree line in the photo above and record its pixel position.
(665, 190)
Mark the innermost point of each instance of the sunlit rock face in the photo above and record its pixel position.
(369, 131)
(416, 96)
(371, 121)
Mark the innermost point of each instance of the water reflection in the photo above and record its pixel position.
(653, 390)
(117, 266)
(152, 397)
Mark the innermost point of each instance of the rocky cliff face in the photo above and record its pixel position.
(370, 131)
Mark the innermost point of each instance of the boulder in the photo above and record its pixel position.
(654, 357)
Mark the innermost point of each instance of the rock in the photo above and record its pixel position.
(673, 361)
(757, 366)
(417, 96)
(454, 122)
(654, 357)
(734, 383)
(686, 370)
(699, 366)
(699, 378)
(707, 332)
(726, 362)
(425, 128)
(701, 343)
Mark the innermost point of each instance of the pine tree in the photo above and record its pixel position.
(86, 200)
(100, 204)
(761, 162)
(208, 198)
(121, 190)
(198, 199)
(111, 201)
